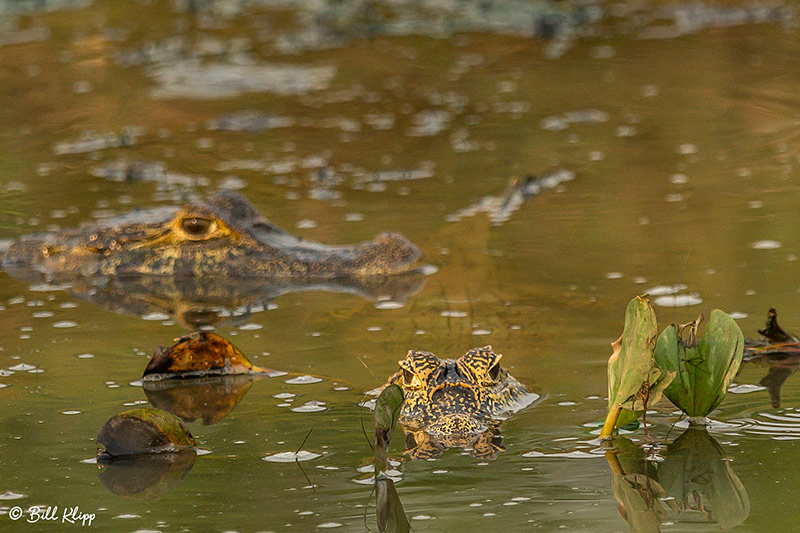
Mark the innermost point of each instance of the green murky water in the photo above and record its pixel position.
(681, 125)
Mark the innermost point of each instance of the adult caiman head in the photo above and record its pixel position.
(223, 236)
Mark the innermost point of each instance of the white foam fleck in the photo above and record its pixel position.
(65, 324)
(303, 380)
(329, 525)
(678, 300)
(290, 457)
(126, 516)
(576, 454)
(661, 290)
(306, 223)
(746, 388)
(736, 315)
(481, 332)
(250, 326)
(8, 495)
(388, 304)
(614, 275)
(22, 367)
(313, 406)
(155, 316)
(71, 412)
(284, 395)
(766, 245)
(421, 517)
(453, 314)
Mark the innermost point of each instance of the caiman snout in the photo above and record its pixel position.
(388, 253)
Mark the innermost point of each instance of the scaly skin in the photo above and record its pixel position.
(456, 403)
(223, 236)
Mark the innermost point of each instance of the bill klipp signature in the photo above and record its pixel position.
(69, 515)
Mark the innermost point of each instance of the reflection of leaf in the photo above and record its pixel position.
(704, 369)
(387, 409)
(390, 514)
(210, 399)
(698, 476)
(638, 494)
(145, 476)
(634, 381)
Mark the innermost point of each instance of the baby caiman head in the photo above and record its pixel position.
(446, 397)
(222, 236)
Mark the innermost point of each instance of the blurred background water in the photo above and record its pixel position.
(679, 120)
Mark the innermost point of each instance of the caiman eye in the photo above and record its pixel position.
(494, 371)
(197, 227)
(408, 377)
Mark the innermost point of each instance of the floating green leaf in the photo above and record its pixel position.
(143, 431)
(704, 369)
(634, 380)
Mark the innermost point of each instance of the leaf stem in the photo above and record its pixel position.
(611, 421)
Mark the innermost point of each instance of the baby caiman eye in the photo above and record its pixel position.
(408, 377)
(197, 227)
(494, 371)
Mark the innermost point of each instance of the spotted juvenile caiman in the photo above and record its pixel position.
(456, 403)
(224, 236)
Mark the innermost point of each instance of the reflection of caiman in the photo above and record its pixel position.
(456, 403)
(210, 254)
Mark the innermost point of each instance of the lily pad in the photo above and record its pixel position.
(704, 370)
(139, 431)
(634, 380)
